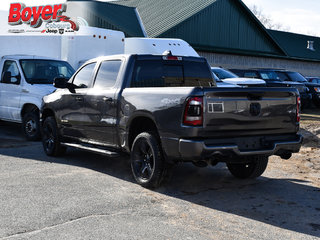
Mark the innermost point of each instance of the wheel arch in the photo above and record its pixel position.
(47, 112)
(29, 107)
(141, 122)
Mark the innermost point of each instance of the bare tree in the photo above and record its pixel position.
(266, 19)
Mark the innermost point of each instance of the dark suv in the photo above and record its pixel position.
(313, 88)
(273, 80)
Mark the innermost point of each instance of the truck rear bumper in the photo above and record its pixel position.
(194, 150)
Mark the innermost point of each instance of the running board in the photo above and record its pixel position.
(92, 149)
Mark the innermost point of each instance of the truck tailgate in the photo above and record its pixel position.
(255, 111)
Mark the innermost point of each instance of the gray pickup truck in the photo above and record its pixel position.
(167, 109)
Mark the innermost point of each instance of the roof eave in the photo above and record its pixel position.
(250, 53)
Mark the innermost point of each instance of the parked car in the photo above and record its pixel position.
(167, 109)
(313, 79)
(222, 84)
(273, 80)
(229, 77)
(313, 88)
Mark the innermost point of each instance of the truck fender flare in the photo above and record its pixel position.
(137, 114)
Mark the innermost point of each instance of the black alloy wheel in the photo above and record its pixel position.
(147, 162)
(50, 138)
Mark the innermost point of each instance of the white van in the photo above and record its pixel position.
(27, 76)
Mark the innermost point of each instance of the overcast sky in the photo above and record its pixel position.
(301, 16)
(297, 15)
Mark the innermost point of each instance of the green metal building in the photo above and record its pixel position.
(224, 31)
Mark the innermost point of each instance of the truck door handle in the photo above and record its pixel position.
(107, 99)
(79, 99)
(24, 91)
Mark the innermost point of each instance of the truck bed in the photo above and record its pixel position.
(247, 119)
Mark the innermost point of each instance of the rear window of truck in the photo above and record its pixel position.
(158, 73)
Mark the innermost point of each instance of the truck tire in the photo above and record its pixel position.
(31, 126)
(50, 138)
(147, 162)
(253, 169)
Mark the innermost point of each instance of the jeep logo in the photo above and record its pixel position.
(255, 109)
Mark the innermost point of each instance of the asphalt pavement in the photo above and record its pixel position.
(88, 196)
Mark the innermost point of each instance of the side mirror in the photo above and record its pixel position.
(60, 82)
(63, 83)
(6, 77)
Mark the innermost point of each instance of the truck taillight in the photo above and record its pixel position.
(298, 108)
(193, 113)
(174, 58)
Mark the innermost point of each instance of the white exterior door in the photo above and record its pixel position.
(10, 91)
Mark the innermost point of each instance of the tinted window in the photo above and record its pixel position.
(239, 73)
(282, 76)
(296, 77)
(197, 74)
(157, 73)
(173, 75)
(147, 74)
(223, 74)
(250, 75)
(107, 74)
(316, 80)
(12, 68)
(269, 75)
(84, 76)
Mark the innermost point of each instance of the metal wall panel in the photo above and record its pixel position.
(225, 24)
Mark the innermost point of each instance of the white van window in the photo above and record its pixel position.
(11, 68)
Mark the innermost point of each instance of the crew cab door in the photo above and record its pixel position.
(101, 104)
(73, 114)
(10, 91)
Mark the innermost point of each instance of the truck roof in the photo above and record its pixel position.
(107, 57)
(24, 56)
(146, 56)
